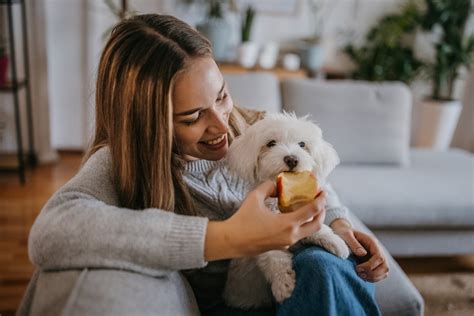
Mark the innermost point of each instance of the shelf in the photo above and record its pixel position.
(10, 86)
(280, 72)
(16, 83)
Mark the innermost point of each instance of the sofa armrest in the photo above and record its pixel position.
(107, 292)
(395, 295)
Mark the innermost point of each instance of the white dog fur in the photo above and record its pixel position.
(258, 155)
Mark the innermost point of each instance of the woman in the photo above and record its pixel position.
(164, 120)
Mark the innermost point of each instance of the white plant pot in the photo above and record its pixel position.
(268, 56)
(437, 123)
(248, 54)
(291, 62)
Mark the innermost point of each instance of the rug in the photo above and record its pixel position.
(446, 293)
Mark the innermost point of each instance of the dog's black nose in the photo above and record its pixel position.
(290, 161)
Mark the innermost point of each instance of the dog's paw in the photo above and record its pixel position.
(335, 245)
(283, 285)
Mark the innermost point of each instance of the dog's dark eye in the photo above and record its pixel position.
(302, 144)
(271, 143)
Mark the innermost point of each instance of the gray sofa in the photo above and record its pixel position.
(417, 202)
(98, 292)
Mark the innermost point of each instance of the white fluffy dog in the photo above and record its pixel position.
(279, 142)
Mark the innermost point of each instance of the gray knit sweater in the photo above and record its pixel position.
(83, 226)
(217, 194)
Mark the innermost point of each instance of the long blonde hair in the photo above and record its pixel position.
(134, 110)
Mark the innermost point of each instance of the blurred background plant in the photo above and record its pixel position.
(248, 50)
(121, 10)
(316, 20)
(247, 23)
(214, 7)
(214, 26)
(388, 53)
(454, 49)
(311, 49)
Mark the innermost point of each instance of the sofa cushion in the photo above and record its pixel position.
(435, 191)
(256, 90)
(365, 122)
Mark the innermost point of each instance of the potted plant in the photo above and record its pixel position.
(311, 49)
(215, 27)
(3, 63)
(439, 113)
(120, 13)
(248, 50)
(387, 54)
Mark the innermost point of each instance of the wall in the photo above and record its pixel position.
(75, 31)
(75, 36)
(74, 42)
(99, 22)
(66, 34)
(343, 21)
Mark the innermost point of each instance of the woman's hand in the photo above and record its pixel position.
(375, 268)
(254, 228)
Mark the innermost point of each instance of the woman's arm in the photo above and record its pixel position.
(81, 226)
(334, 209)
(375, 267)
(255, 229)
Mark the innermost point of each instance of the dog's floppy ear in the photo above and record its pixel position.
(326, 158)
(242, 158)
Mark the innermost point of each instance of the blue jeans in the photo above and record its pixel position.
(325, 285)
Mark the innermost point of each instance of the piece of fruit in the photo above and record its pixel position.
(296, 189)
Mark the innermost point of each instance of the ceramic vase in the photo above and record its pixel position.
(248, 54)
(218, 31)
(437, 123)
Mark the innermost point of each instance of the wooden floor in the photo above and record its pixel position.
(19, 205)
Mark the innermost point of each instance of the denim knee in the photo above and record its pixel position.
(327, 285)
(318, 262)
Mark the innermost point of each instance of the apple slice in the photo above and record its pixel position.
(296, 189)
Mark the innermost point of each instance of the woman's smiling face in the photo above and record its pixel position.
(201, 109)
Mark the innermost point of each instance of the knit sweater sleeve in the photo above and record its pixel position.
(82, 226)
(334, 208)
